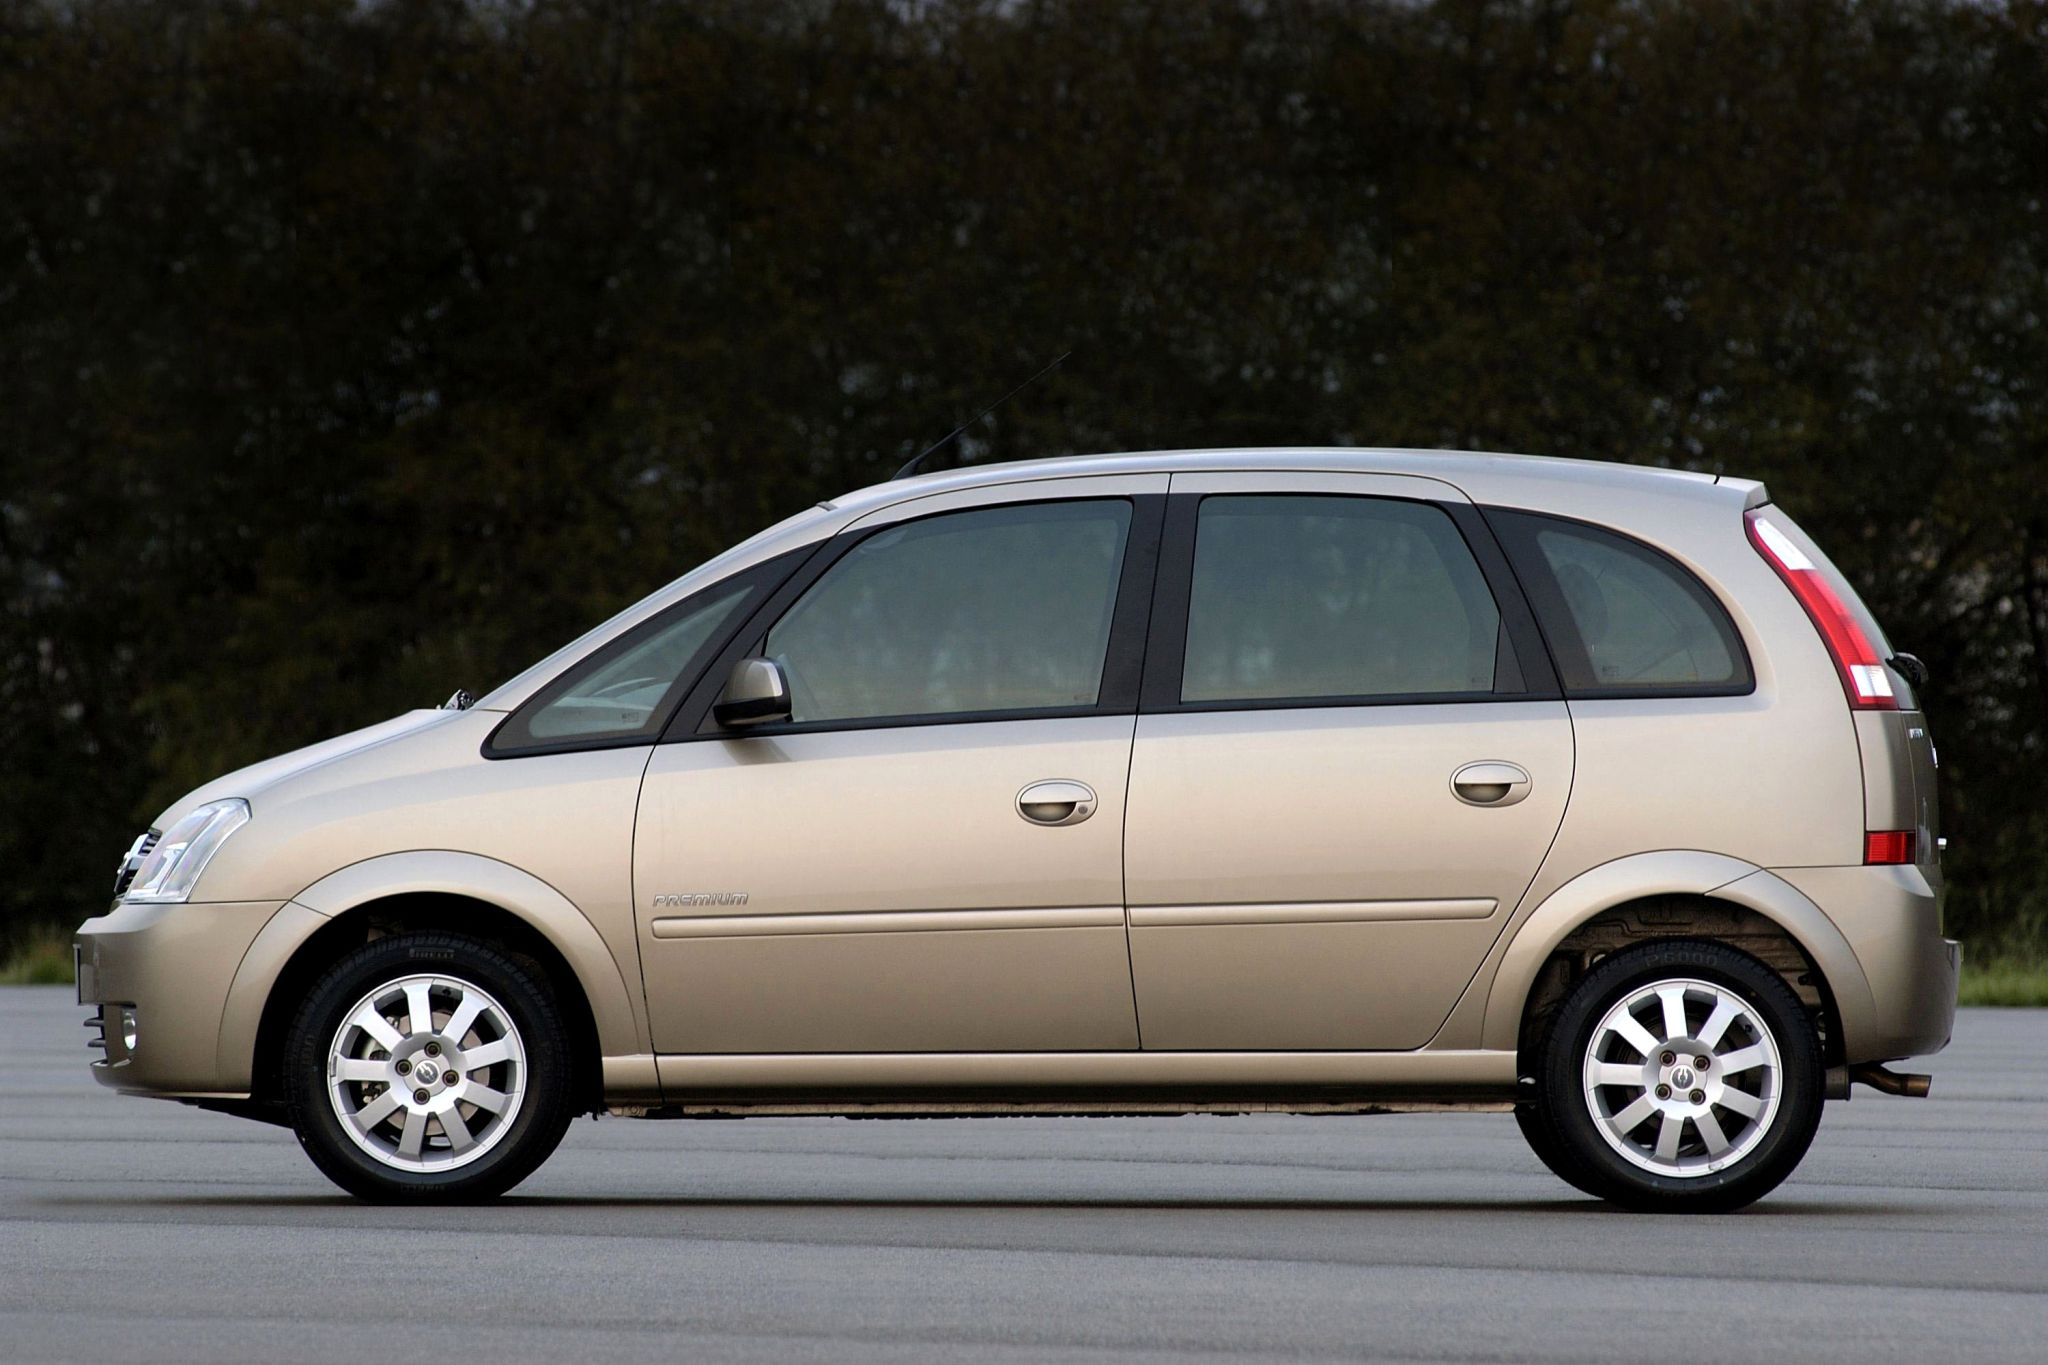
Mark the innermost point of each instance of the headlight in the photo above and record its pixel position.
(171, 868)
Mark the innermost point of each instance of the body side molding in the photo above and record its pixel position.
(1309, 912)
(887, 922)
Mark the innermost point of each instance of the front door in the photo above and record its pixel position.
(927, 857)
(1351, 762)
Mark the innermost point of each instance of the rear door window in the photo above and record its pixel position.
(1622, 619)
(1301, 597)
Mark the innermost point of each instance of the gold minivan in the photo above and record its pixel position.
(1333, 781)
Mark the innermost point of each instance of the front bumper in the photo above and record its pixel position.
(159, 975)
(1891, 917)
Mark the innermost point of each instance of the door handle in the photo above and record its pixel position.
(1490, 784)
(1058, 802)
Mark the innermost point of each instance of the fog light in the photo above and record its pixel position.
(128, 1031)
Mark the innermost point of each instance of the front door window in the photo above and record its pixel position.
(993, 611)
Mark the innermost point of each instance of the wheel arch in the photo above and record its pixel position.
(453, 891)
(1726, 886)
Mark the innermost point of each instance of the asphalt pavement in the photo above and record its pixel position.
(136, 1230)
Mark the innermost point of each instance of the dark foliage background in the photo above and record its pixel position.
(353, 352)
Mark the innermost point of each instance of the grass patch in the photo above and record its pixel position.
(2004, 981)
(43, 959)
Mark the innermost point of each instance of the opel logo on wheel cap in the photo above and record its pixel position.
(1682, 1078)
(426, 1073)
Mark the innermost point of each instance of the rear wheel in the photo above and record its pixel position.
(1529, 1118)
(1678, 1076)
(428, 1067)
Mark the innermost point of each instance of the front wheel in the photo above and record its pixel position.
(1680, 1076)
(428, 1066)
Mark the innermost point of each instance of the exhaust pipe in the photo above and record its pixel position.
(1911, 1084)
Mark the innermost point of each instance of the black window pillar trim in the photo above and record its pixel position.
(1540, 676)
(1166, 651)
(1122, 661)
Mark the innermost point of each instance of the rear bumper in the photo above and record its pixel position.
(1891, 917)
(159, 975)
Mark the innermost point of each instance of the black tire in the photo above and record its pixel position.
(1536, 1132)
(546, 1104)
(1577, 1137)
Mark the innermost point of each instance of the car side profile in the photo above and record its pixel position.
(1327, 781)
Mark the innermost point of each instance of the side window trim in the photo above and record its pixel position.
(1515, 530)
(1121, 667)
(1166, 647)
(766, 575)
(1532, 652)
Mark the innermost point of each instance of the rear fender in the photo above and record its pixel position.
(1676, 872)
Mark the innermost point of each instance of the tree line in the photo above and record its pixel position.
(351, 353)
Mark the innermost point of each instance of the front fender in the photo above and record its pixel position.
(620, 1030)
(1675, 872)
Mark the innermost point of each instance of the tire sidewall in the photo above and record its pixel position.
(1799, 1106)
(1544, 1143)
(534, 1131)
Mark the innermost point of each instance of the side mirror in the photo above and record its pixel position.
(755, 691)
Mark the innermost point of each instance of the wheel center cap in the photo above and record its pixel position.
(426, 1073)
(1682, 1078)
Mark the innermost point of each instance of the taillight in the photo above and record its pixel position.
(1884, 847)
(1861, 667)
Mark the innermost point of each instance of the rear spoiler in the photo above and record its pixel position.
(1755, 495)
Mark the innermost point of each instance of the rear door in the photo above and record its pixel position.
(1350, 760)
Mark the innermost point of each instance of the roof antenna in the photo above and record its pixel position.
(946, 440)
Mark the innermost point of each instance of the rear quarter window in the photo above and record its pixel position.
(1622, 619)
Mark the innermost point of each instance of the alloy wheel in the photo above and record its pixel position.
(1682, 1077)
(426, 1073)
